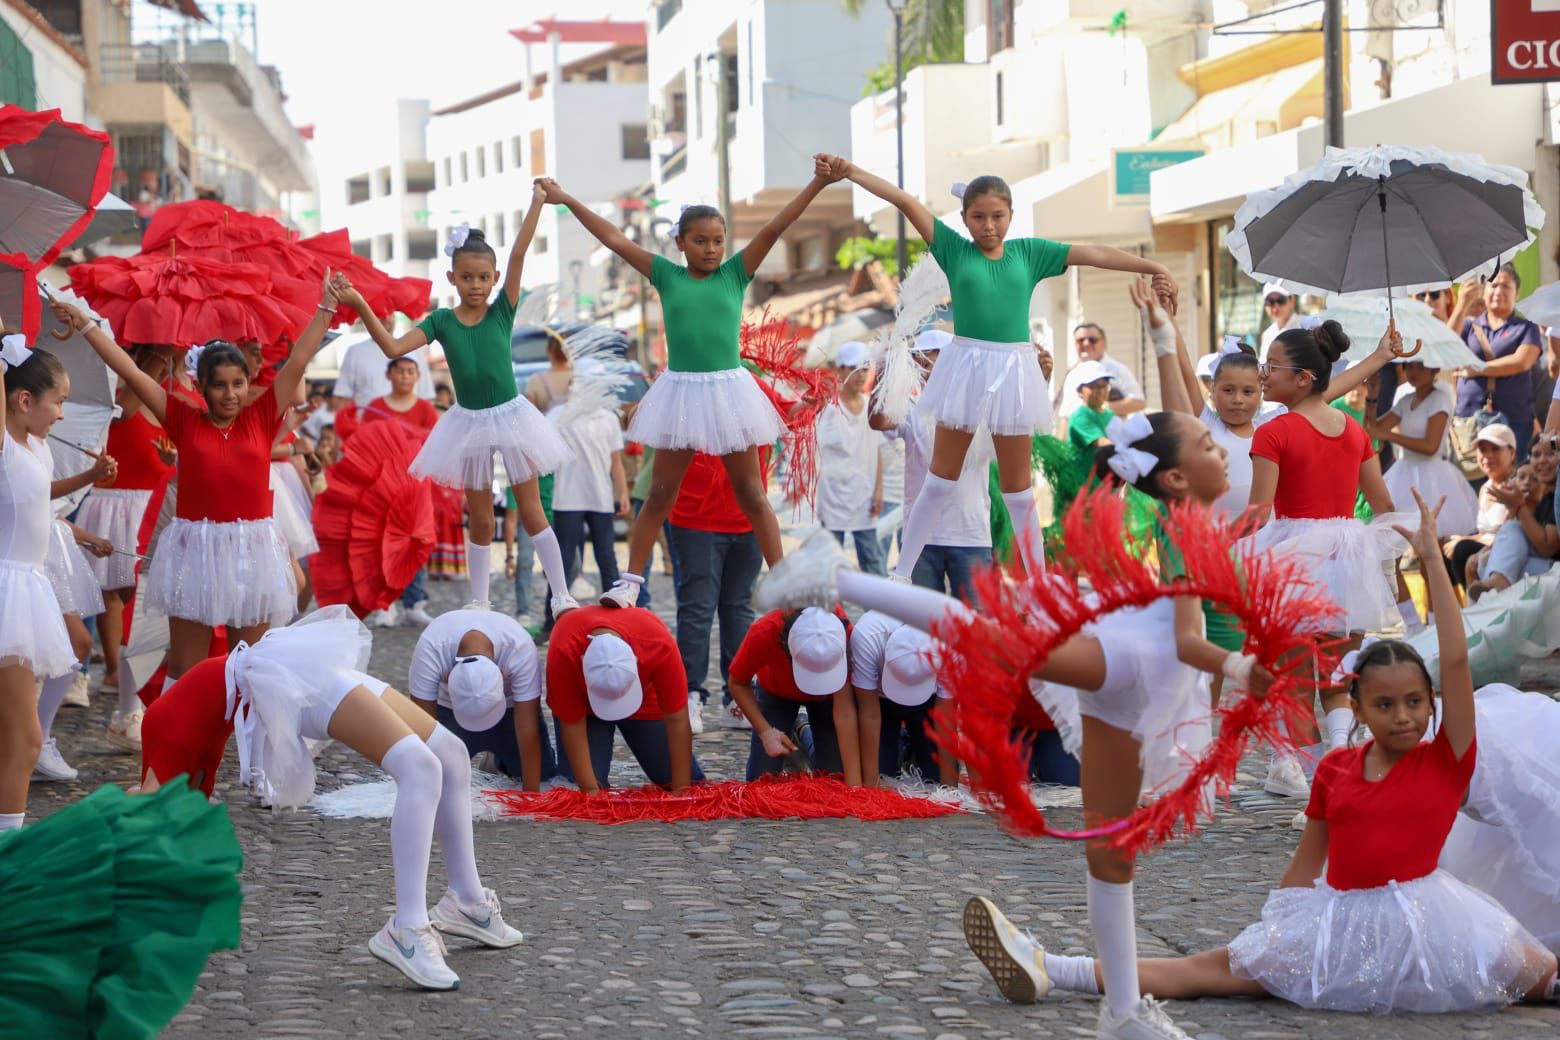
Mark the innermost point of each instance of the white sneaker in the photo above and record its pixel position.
(417, 953)
(524, 619)
(1286, 778)
(483, 922)
(51, 765)
(419, 615)
(478, 604)
(804, 578)
(1300, 821)
(1147, 1021)
(695, 715)
(563, 603)
(385, 618)
(1016, 961)
(623, 593)
(732, 718)
(124, 731)
(76, 696)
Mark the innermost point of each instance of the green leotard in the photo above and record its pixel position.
(702, 316)
(991, 297)
(478, 355)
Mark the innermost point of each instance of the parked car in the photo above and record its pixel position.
(528, 352)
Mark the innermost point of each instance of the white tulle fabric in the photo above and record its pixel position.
(1347, 560)
(1429, 945)
(270, 686)
(1504, 629)
(717, 413)
(1436, 480)
(998, 385)
(292, 517)
(114, 514)
(460, 448)
(70, 574)
(33, 632)
(236, 573)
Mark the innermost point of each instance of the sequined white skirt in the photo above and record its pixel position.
(714, 412)
(70, 574)
(460, 448)
(115, 514)
(236, 573)
(999, 385)
(1349, 561)
(32, 627)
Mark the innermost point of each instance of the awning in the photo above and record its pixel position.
(1072, 203)
(1235, 115)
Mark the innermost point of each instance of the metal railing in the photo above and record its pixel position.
(142, 63)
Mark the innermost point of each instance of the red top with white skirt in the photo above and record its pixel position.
(224, 473)
(1319, 475)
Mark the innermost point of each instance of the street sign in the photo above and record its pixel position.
(1130, 169)
(1524, 41)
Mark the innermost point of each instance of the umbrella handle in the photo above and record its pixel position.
(1386, 258)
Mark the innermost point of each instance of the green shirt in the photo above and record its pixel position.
(991, 297)
(1362, 510)
(1084, 428)
(478, 355)
(702, 316)
(641, 489)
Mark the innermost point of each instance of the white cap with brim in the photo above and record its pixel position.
(476, 687)
(612, 678)
(817, 645)
(909, 671)
(1275, 289)
(1498, 434)
(932, 340)
(1089, 372)
(853, 354)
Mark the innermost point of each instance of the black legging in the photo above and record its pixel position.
(1462, 550)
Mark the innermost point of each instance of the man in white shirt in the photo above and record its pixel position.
(363, 375)
(590, 489)
(850, 469)
(1283, 311)
(1126, 396)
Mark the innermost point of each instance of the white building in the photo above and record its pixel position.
(41, 67)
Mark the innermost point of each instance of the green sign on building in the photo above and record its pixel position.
(1131, 167)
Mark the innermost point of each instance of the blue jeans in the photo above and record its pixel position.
(869, 554)
(948, 569)
(715, 577)
(500, 739)
(572, 526)
(417, 591)
(666, 526)
(915, 747)
(781, 714)
(1049, 762)
(897, 537)
(646, 738)
(1511, 555)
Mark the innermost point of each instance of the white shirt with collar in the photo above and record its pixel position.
(437, 650)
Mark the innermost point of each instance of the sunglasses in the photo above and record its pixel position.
(1086, 339)
(1433, 294)
(1275, 301)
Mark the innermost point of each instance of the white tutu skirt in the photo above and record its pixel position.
(1347, 560)
(1428, 945)
(115, 514)
(717, 413)
(70, 574)
(998, 385)
(460, 448)
(1435, 479)
(32, 626)
(236, 573)
(292, 520)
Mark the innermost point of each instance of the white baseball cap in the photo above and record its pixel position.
(932, 340)
(1090, 372)
(612, 678)
(909, 672)
(817, 645)
(853, 354)
(1498, 434)
(476, 688)
(1275, 289)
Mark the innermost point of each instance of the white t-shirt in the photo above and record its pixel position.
(1271, 333)
(1121, 378)
(847, 468)
(513, 651)
(892, 453)
(585, 481)
(966, 520)
(1414, 419)
(363, 375)
(318, 419)
(868, 643)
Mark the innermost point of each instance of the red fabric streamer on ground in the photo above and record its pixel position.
(811, 797)
(772, 347)
(1021, 622)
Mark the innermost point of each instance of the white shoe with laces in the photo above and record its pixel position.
(1300, 822)
(124, 730)
(1286, 778)
(419, 616)
(623, 593)
(417, 953)
(51, 765)
(478, 604)
(1148, 1021)
(804, 578)
(695, 715)
(483, 921)
(386, 618)
(563, 603)
(732, 717)
(76, 696)
(1015, 959)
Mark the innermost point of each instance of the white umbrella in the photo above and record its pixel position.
(1365, 319)
(113, 216)
(1543, 306)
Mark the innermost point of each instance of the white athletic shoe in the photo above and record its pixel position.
(478, 604)
(732, 718)
(51, 765)
(804, 578)
(419, 615)
(1147, 1021)
(1286, 778)
(523, 619)
(1300, 821)
(417, 953)
(1014, 958)
(563, 603)
(695, 715)
(483, 922)
(623, 593)
(386, 618)
(76, 696)
(124, 730)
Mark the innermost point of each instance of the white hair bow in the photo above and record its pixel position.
(956, 189)
(1346, 666)
(1231, 345)
(192, 360)
(1129, 463)
(13, 349)
(458, 236)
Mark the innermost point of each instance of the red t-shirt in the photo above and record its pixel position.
(1391, 829)
(1028, 714)
(661, 671)
(418, 419)
(224, 474)
(705, 501)
(1319, 476)
(133, 444)
(764, 655)
(184, 730)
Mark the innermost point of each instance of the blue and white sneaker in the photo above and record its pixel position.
(417, 953)
(483, 921)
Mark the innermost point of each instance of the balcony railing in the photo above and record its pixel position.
(675, 165)
(143, 63)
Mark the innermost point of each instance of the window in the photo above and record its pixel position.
(728, 63)
(17, 85)
(357, 189)
(518, 216)
(496, 222)
(539, 245)
(999, 25)
(498, 157)
(384, 180)
(698, 97)
(448, 177)
(665, 11)
(750, 99)
(517, 151)
(636, 141)
(481, 154)
(465, 174)
(999, 99)
(538, 153)
(422, 245)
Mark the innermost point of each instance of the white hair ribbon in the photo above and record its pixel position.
(1346, 666)
(1231, 345)
(458, 235)
(1129, 463)
(956, 189)
(192, 360)
(13, 349)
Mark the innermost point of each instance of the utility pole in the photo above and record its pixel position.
(898, 9)
(1333, 57)
(722, 141)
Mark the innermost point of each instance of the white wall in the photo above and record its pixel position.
(382, 136)
(60, 79)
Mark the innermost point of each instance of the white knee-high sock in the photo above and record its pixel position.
(1026, 528)
(1115, 943)
(922, 521)
(54, 691)
(917, 607)
(418, 780)
(1338, 722)
(129, 703)
(479, 565)
(552, 560)
(11, 821)
(452, 821)
(1072, 973)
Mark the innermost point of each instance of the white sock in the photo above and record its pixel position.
(417, 788)
(547, 551)
(1072, 973)
(54, 691)
(128, 701)
(1338, 722)
(924, 515)
(1410, 614)
(1115, 942)
(1026, 528)
(452, 821)
(168, 682)
(479, 565)
(10, 821)
(918, 607)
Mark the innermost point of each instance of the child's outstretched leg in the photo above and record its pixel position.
(949, 446)
(480, 528)
(1016, 475)
(533, 518)
(665, 479)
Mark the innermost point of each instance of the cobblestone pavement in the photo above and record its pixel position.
(751, 929)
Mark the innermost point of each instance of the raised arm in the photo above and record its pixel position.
(834, 168)
(290, 379)
(123, 365)
(392, 346)
(1109, 258)
(523, 243)
(759, 246)
(607, 233)
(1166, 340)
(1457, 716)
(1386, 429)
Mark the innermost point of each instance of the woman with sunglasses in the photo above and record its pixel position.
(1283, 313)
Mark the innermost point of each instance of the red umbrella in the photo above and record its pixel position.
(374, 522)
(385, 295)
(20, 308)
(52, 177)
(211, 229)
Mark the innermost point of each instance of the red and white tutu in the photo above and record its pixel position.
(997, 385)
(70, 574)
(115, 514)
(717, 413)
(236, 573)
(460, 448)
(34, 630)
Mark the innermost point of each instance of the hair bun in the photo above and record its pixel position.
(1331, 340)
(476, 233)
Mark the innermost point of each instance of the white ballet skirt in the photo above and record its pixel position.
(237, 573)
(1347, 560)
(460, 448)
(999, 385)
(717, 413)
(70, 574)
(1429, 945)
(293, 520)
(114, 514)
(1436, 479)
(1506, 841)
(33, 633)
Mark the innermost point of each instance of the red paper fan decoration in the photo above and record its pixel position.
(773, 349)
